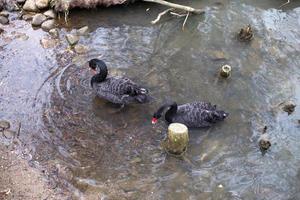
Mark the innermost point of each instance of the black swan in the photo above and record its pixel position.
(117, 89)
(193, 115)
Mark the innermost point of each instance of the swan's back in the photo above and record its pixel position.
(198, 114)
(120, 90)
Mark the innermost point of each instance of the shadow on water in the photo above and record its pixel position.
(101, 153)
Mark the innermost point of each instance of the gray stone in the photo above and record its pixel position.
(38, 19)
(72, 39)
(48, 43)
(42, 4)
(54, 33)
(50, 14)
(48, 25)
(4, 14)
(3, 20)
(30, 6)
(80, 49)
(83, 31)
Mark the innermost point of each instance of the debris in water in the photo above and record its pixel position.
(288, 107)
(225, 71)
(245, 34)
(4, 125)
(177, 140)
(264, 143)
(265, 129)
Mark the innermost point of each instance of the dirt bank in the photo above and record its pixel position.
(20, 181)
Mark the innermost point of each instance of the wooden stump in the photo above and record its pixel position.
(177, 140)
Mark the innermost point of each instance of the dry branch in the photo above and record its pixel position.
(288, 1)
(177, 6)
(160, 15)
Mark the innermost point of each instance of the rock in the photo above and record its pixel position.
(30, 6)
(27, 17)
(50, 14)
(38, 19)
(246, 34)
(72, 39)
(42, 4)
(3, 20)
(4, 14)
(9, 134)
(1, 30)
(48, 25)
(4, 125)
(83, 31)
(54, 33)
(80, 49)
(288, 107)
(136, 160)
(48, 43)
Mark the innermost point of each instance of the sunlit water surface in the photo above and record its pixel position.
(101, 154)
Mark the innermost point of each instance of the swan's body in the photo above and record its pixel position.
(118, 89)
(193, 115)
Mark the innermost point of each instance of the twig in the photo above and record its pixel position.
(288, 1)
(178, 15)
(187, 16)
(160, 15)
(19, 130)
(177, 6)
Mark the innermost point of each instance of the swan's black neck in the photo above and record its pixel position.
(171, 111)
(100, 66)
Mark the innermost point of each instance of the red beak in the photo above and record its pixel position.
(154, 120)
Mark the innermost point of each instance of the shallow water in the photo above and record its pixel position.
(100, 154)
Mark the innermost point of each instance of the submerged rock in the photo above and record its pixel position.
(72, 39)
(3, 20)
(48, 25)
(80, 49)
(9, 134)
(4, 125)
(42, 4)
(50, 14)
(48, 43)
(38, 19)
(288, 107)
(83, 31)
(30, 6)
(264, 143)
(54, 33)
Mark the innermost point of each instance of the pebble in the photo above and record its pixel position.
(3, 20)
(4, 14)
(48, 43)
(38, 19)
(30, 6)
(42, 4)
(9, 134)
(27, 17)
(48, 25)
(50, 14)
(72, 39)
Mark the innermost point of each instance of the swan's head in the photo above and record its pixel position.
(96, 64)
(155, 117)
(221, 115)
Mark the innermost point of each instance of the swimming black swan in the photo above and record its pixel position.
(118, 89)
(193, 115)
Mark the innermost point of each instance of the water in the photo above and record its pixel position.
(100, 154)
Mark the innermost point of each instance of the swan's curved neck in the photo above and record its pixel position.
(101, 76)
(171, 111)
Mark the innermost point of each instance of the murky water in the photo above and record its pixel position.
(101, 154)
